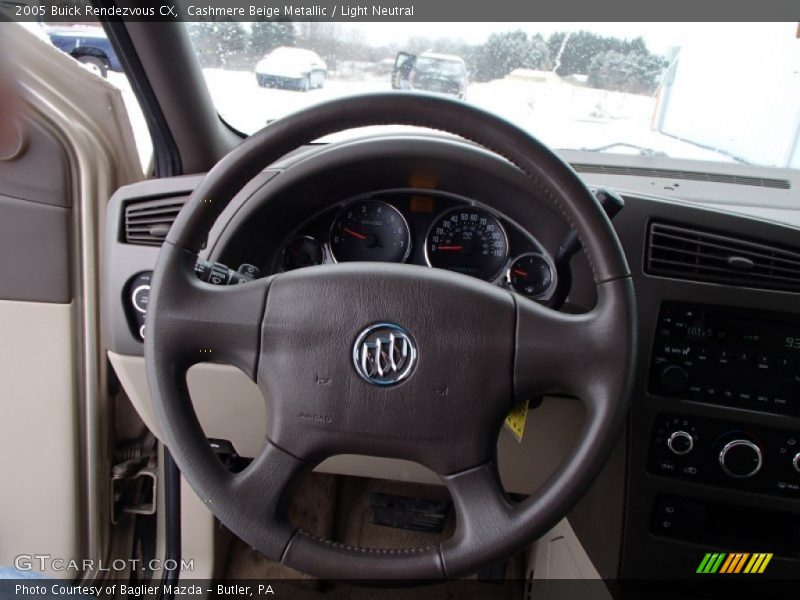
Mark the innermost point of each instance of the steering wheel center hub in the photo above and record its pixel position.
(343, 375)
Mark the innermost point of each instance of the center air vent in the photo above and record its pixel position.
(147, 222)
(698, 255)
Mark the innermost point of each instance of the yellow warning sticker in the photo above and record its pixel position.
(515, 421)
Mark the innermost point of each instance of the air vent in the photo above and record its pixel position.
(147, 222)
(781, 184)
(697, 255)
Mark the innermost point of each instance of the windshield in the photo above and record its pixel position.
(727, 92)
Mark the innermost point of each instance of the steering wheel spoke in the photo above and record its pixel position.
(200, 322)
(570, 353)
(263, 492)
(482, 508)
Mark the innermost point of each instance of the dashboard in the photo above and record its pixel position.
(710, 459)
(417, 226)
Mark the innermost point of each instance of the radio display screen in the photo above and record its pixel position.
(774, 332)
(742, 331)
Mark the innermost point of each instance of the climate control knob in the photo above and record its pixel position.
(740, 459)
(680, 442)
(796, 462)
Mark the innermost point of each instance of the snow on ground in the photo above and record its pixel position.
(561, 114)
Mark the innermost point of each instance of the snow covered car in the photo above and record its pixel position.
(295, 68)
(431, 72)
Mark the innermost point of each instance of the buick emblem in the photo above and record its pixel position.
(384, 354)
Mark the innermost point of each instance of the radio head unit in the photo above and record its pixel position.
(729, 356)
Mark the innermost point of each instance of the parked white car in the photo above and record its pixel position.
(295, 68)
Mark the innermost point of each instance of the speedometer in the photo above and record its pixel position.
(469, 241)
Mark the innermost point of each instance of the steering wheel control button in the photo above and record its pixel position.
(740, 459)
(680, 442)
(384, 354)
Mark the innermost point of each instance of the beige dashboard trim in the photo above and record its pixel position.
(230, 406)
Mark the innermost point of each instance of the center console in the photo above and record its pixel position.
(716, 452)
(735, 358)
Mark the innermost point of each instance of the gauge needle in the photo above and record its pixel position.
(450, 248)
(355, 234)
(520, 273)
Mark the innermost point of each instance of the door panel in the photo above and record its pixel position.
(39, 508)
(34, 251)
(78, 148)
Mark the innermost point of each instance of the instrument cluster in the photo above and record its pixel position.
(436, 229)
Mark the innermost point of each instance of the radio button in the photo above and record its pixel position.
(724, 357)
(780, 401)
(674, 379)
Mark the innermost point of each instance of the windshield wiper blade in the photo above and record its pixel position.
(643, 150)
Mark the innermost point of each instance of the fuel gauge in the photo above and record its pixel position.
(531, 275)
(301, 252)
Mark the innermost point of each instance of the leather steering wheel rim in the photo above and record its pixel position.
(263, 328)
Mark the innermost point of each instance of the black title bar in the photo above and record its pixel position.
(402, 10)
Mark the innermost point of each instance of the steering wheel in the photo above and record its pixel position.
(389, 360)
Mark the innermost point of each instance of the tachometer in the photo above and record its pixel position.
(370, 230)
(469, 241)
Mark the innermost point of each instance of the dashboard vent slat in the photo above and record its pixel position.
(766, 182)
(148, 221)
(699, 255)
